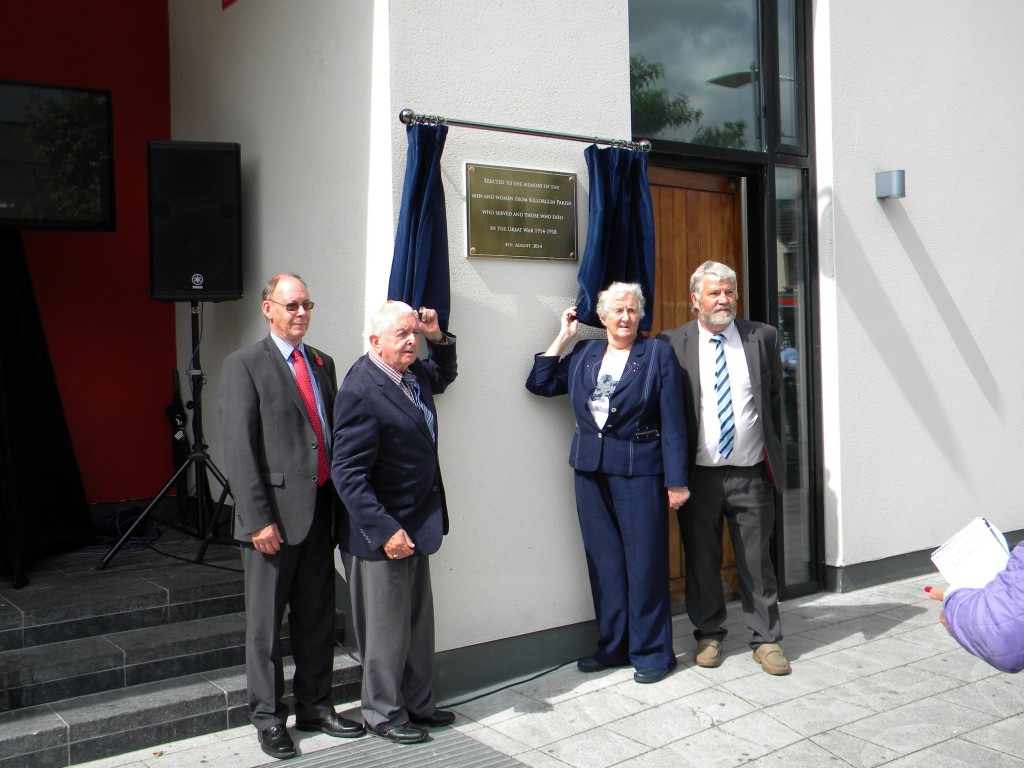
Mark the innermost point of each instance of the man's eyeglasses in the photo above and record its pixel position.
(293, 306)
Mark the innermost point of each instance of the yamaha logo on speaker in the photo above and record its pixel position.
(197, 281)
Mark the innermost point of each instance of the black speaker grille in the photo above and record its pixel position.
(195, 228)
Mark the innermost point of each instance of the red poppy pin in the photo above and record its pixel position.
(318, 360)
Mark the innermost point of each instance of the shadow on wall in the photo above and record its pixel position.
(959, 332)
(897, 350)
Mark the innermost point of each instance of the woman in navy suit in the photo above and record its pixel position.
(629, 453)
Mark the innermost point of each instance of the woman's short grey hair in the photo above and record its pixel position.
(714, 269)
(616, 291)
(385, 318)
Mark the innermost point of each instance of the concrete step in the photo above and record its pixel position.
(56, 671)
(110, 723)
(101, 602)
(152, 649)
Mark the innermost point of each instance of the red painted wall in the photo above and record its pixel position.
(112, 346)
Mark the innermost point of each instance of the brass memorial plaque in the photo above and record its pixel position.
(520, 214)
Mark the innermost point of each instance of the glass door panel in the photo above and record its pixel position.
(796, 539)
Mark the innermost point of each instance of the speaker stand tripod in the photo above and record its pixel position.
(199, 460)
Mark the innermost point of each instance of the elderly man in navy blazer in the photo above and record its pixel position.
(275, 408)
(387, 473)
(732, 387)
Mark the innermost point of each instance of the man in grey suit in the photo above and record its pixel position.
(275, 406)
(732, 385)
(387, 473)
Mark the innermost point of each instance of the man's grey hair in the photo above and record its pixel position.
(385, 318)
(616, 291)
(716, 270)
(271, 285)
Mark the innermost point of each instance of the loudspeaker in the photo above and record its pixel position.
(195, 223)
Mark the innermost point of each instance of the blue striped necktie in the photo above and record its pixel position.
(414, 386)
(726, 421)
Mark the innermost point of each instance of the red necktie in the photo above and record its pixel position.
(306, 390)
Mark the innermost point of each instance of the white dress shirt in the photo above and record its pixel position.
(748, 446)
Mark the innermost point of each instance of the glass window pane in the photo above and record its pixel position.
(694, 71)
(790, 124)
(791, 245)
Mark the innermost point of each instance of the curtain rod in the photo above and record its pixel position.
(408, 117)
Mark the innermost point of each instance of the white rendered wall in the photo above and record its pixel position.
(514, 562)
(293, 83)
(323, 161)
(921, 380)
(290, 82)
(922, 371)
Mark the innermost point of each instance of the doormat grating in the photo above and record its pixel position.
(445, 749)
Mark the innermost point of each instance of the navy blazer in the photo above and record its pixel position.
(646, 431)
(760, 346)
(385, 464)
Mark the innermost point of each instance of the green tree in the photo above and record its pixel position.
(69, 135)
(729, 135)
(653, 110)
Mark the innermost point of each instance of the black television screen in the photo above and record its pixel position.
(56, 157)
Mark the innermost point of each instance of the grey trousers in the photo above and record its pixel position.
(746, 498)
(393, 619)
(301, 578)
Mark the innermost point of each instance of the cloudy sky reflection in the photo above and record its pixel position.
(696, 41)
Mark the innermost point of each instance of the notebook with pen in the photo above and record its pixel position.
(973, 556)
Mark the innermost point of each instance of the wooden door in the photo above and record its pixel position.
(697, 217)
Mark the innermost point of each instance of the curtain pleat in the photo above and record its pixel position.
(419, 269)
(620, 235)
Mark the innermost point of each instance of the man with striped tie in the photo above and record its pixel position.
(732, 386)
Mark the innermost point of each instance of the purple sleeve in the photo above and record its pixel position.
(989, 622)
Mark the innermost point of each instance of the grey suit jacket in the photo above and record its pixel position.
(269, 442)
(760, 344)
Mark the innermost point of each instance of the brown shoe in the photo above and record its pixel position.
(771, 659)
(709, 653)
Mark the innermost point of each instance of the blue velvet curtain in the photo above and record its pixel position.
(620, 236)
(419, 269)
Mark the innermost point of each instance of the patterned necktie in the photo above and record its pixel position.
(726, 422)
(309, 399)
(410, 381)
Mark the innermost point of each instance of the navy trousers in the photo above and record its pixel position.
(624, 522)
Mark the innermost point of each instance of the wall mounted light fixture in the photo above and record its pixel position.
(890, 184)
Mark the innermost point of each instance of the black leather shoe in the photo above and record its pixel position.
(401, 734)
(332, 724)
(590, 664)
(650, 675)
(276, 742)
(439, 718)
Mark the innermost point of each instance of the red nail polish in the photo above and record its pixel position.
(927, 589)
